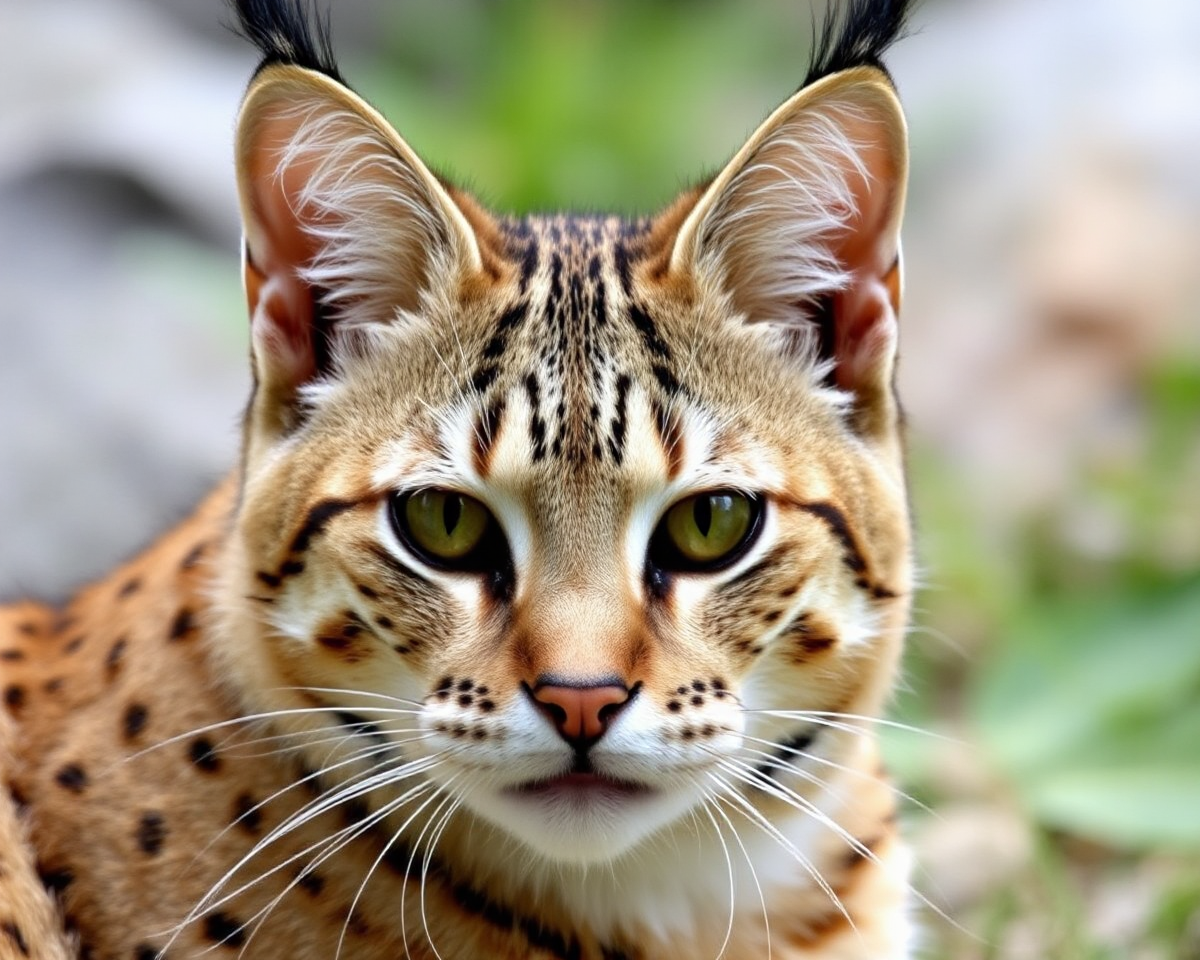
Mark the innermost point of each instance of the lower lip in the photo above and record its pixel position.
(583, 786)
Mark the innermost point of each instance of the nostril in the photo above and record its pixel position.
(610, 710)
(580, 713)
(556, 713)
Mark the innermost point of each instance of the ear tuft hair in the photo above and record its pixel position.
(289, 32)
(856, 33)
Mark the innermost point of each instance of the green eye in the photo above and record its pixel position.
(706, 531)
(442, 524)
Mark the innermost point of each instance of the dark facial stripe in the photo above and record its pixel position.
(537, 426)
(621, 262)
(616, 439)
(787, 752)
(318, 518)
(670, 435)
(394, 565)
(508, 322)
(487, 429)
(852, 556)
(648, 330)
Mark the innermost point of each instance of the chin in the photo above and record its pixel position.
(582, 819)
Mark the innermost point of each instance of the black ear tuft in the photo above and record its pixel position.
(856, 33)
(289, 31)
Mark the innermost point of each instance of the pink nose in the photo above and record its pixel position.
(580, 714)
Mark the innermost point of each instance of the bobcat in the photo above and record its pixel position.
(546, 614)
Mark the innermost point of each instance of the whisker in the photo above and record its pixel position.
(805, 806)
(810, 777)
(396, 834)
(732, 884)
(433, 841)
(332, 845)
(357, 693)
(252, 718)
(304, 815)
(749, 863)
(828, 716)
(756, 817)
(358, 756)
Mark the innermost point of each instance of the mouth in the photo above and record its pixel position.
(582, 787)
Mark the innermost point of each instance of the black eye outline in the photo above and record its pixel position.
(663, 556)
(489, 556)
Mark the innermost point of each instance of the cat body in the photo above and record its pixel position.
(546, 615)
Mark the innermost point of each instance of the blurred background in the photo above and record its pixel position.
(1051, 361)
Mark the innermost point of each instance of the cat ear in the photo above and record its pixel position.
(801, 230)
(343, 226)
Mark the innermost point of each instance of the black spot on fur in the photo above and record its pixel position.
(553, 942)
(143, 951)
(311, 883)
(478, 903)
(12, 656)
(246, 813)
(788, 751)
(203, 755)
(134, 721)
(839, 527)
(129, 588)
(182, 625)
(72, 777)
(151, 832)
(648, 330)
(55, 880)
(112, 663)
(223, 929)
(14, 697)
(537, 426)
(666, 380)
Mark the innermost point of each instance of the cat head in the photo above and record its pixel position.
(579, 521)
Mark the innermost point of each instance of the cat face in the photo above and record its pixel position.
(578, 524)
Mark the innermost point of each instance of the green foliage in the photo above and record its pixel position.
(540, 104)
(1091, 708)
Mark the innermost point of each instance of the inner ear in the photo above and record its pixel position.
(344, 227)
(801, 230)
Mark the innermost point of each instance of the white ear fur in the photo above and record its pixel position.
(342, 223)
(809, 210)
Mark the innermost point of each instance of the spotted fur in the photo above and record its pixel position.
(284, 732)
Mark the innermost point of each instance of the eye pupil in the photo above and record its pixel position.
(702, 514)
(452, 513)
